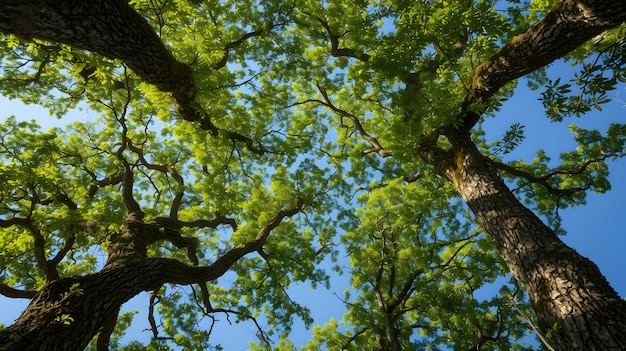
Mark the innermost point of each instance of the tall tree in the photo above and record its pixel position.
(259, 84)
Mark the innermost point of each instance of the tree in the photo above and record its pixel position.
(260, 84)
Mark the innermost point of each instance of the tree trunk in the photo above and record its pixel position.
(571, 297)
(574, 303)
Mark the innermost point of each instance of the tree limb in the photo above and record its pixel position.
(543, 179)
(16, 293)
(569, 24)
(376, 147)
(235, 44)
(335, 50)
(104, 337)
(114, 29)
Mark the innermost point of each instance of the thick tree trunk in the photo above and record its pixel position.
(572, 299)
(569, 293)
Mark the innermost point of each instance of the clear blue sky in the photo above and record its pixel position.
(595, 230)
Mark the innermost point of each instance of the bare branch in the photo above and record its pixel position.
(543, 179)
(235, 44)
(16, 293)
(377, 148)
(335, 50)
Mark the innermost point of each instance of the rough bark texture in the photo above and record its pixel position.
(67, 313)
(571, 297)
(109, 27)
(569, 24)
(62, 317)
(113, 29)
(65, 318)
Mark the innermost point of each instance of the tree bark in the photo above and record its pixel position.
(115, 30)
(108, 27)
(570, 295)
(573, 301)
(67, 313)
(569, 24)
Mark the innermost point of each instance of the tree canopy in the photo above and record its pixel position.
(241, 148)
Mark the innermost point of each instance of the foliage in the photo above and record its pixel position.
(329, 90)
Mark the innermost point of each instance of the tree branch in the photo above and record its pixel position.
(22, 222)
(352, 338)
(16, 293)
(376, 147)
(335, 50)
(104, 337)
(113, 179)
(167, 169)
(569, 24)
(233, 45)
(69, 243)
(171, 232)
(114, 29)
(274, 222)
(543, 179)
(154, 299)
(191, 111)
(217, 220)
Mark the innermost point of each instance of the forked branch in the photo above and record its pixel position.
(337, 51)
(544, 179)
(376, 147)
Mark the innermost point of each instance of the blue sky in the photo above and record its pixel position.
(595, 230)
